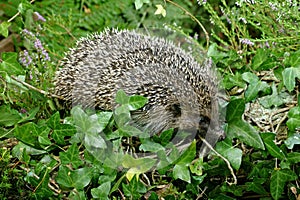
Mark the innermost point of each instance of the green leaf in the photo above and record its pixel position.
(12, 83)
(260, 57)
(292, 140)
(78, 179)
(122, 115)
(64, 130)
(117, 184)
(71, 156)
(294, 112)
(136, 102)
(137, 166)
(19, 148)
(139, 3)
(293, 60)
(230, 81)
(4, 28)
(54, 121)
(293, 157)
(24, 6)
(29, 134)
(215, 54)
(188, 155)
(250, 77)
(182, 172)
(293, 124)
(160, 10)
(43, 137)
(84, 123)
(197, 167)
(60, 131)
(253, 90)
(246, 133)
(272, 100)
(8, 116)
(132, 131)
(254, 87)
(94, 140)
(134, 189)
(30, 115)
(149, 146)
(141, 164)
(235, 110)
(274, 150)
(166, 136)
(121, 97)
(256, 187)
(233, 155)
(289, 76)
(102, 191)
(10, 64)
(278, 181)
(103, 119)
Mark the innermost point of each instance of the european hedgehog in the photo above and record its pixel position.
(181, 92)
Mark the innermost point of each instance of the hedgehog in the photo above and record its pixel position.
(181, 92)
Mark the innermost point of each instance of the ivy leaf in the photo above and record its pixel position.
(245, 132)
(31, 134)
(139, 3)
(272, 100)
(230, 81)
(160, 10)
(233, 155)
(78, 179)
(289, 76)
(102, 191)
(30, 115)
(136, 102)
(293, 60)
(121, 97)
(235, 110)
(122, 115)
(249, 77)
(197, 168)
(54, 121)
(256, 186)
(71, 156)
(215, 54)
(274, 150)
(60, 131)
(292, 140)
(150, 146)
(10, 64)
(260, 57)
(293, 157)
(134, 189)
(8, 116)
(103, 119)
(278, 181)
(166, 136)
(4, 28)
(254, 87)
(181, 171)
(94, 140)
(188, 155)
(137, 166)
(132, 131)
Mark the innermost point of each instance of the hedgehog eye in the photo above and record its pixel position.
(175, 109)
